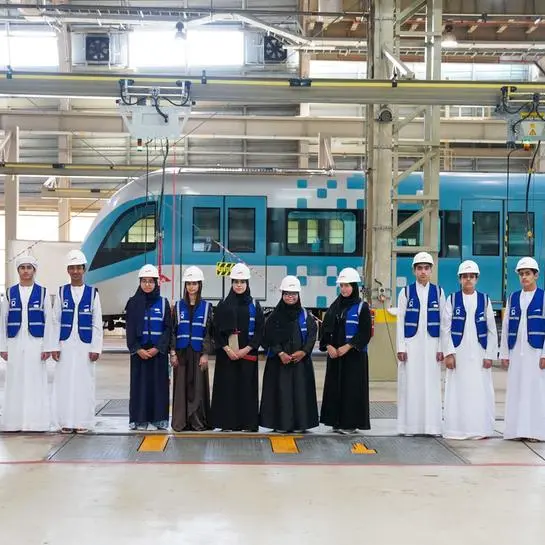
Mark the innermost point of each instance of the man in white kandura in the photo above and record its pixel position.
(420, 306)
(470, 343)
(523, 353)
(25, 338)
(77, 318)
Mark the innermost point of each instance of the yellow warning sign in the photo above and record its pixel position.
(223, 268)
(532, 131)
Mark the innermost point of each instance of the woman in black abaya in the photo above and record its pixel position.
(148, 339)
(238, 327)
(288, 401)
(345, 335)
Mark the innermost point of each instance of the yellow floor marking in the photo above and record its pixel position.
(360, 448)
(153, 443)
(283, 445)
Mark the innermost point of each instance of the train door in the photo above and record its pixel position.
(519, 243)
(225, 230)
(482, 241)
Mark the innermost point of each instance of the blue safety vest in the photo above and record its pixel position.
(412, 314)
(152, 328)
(191, 333)
(534, 317)
(352, 322)
(459, 318)
(85, 313)
(35, 311)
(302, 322)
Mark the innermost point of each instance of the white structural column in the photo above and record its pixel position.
(64, 141)
(432, 122)
(11, 195)
(378, 263)
(430, 162)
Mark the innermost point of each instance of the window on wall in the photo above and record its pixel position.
(412, 235)
(241, 229)
(450, 228)
(518, 242)
(21, 48)
(322, 232)
(486, 233)
(206, 229)
(131, 235)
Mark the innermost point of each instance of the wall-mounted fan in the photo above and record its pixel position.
(97, 48)
(273, 50)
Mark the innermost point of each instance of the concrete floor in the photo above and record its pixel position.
(497, 497)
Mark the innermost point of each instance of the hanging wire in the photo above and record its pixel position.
(529, 227)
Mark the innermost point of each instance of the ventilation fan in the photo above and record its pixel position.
(97, 48)
(273, 50)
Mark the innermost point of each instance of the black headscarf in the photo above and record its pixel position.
(338, 308)
(279, 326)
(140, 302)
(226, 312)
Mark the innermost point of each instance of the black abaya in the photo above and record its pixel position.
(235, 389)
(288, 401)
(345, 403)
(149, 382)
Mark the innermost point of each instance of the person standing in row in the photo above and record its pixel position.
(191, 344)
(420, 306)
(77, 320)
(148, 340)
(238, 326)
(522, 352)
(470, 343)
(346, 332)
(288, 400)
(25, 338)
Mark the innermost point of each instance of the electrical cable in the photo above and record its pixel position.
(529, 228)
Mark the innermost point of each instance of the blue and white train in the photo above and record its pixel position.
(309, 227)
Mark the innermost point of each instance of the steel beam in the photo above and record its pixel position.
(266, 90)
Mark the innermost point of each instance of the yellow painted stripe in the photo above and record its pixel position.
(360, 448)
(153, 443)
(284, 445)
(383, 316)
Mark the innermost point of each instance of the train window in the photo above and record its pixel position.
(450, 227)
(241, 226)
(321, 232)
(519, 243)
(411, 235)
(132, 234)
(206, 229)
(486, 233)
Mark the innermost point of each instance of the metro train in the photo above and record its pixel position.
(311, 227)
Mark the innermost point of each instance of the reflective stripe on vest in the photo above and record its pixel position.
(152, 329)
(353, 321)
(251, 324)
(412, 314)
(35, 311)
(85, 313)
(193, 333)
(459, 319)
(534, 318)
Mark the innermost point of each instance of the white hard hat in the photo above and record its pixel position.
(26, 260)
(290, 283)
(148, 271)
(240, 272)
(193, 274)
(422, 257)
(75, 257)
(348, 276)
(468, 266)
(527, 263)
